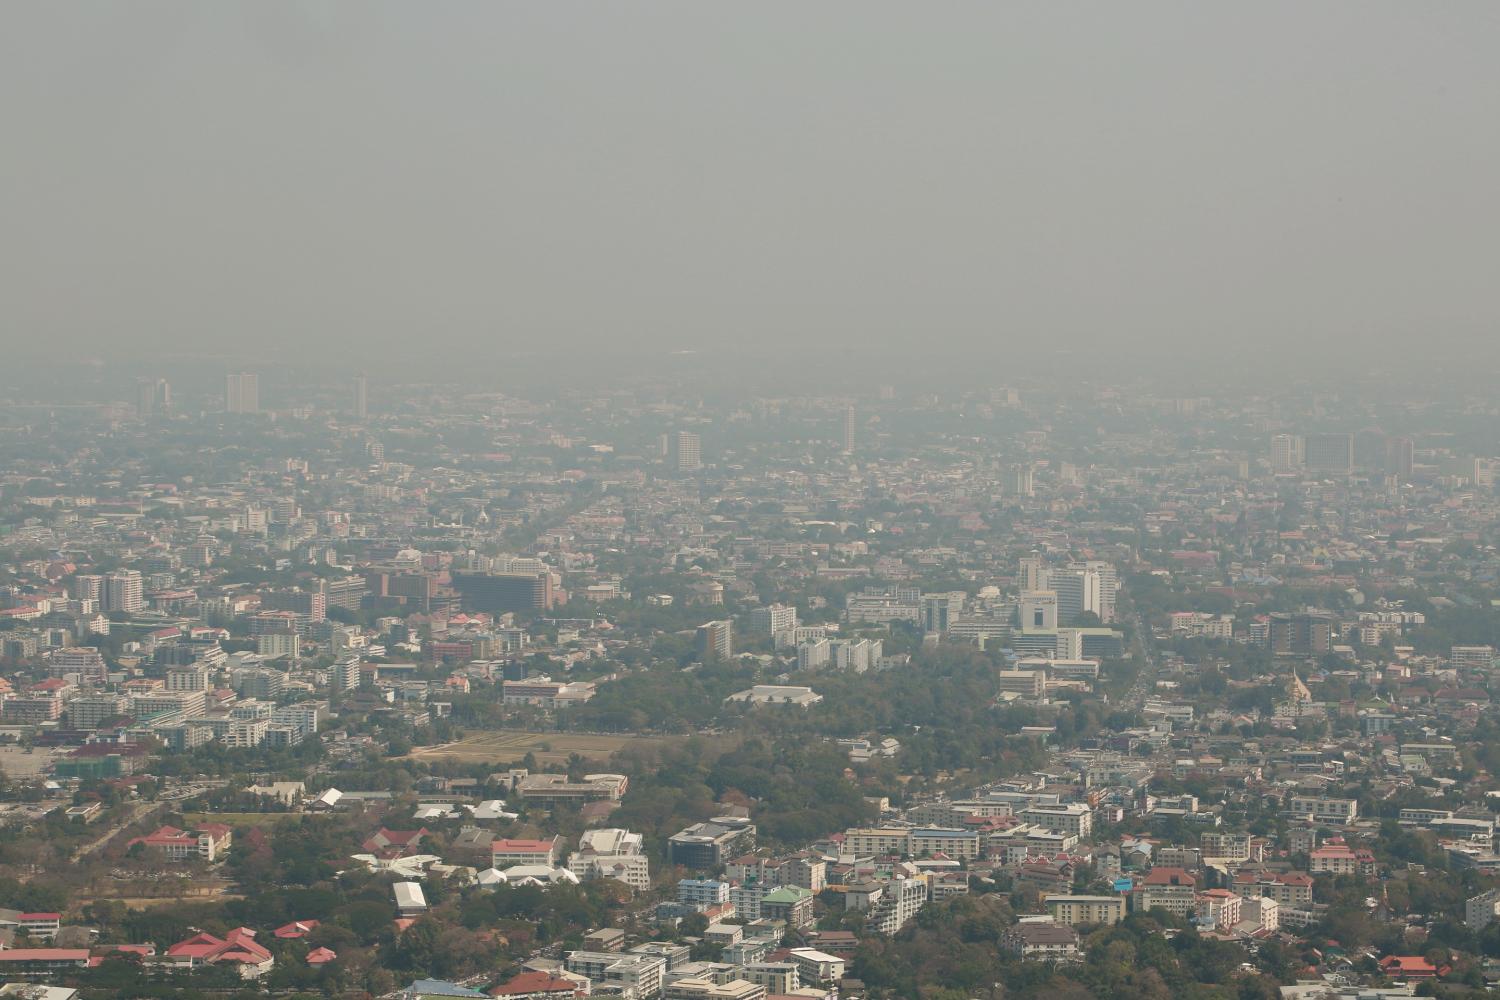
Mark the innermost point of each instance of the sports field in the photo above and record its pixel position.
(509, 747)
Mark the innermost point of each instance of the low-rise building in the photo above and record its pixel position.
(1078, 911)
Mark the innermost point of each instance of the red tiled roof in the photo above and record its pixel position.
(295, 929)
(533, 982)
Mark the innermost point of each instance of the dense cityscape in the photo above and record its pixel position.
(361, 687)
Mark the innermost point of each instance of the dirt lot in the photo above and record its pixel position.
(510, 747)
(236, 819)
(24, 765)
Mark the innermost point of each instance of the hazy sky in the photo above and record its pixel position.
(280, 179)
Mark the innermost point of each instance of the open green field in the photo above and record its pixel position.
(509, 747)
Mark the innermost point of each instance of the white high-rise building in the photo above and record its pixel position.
(361, 396)
(685, 452)
(1109, 586)
(1078, 590)
(773, 618)
(1286, 452)
(1032, 574)
(1038, 609)
(814, 654)
(343, 675)
(242, 393)
(124, 591)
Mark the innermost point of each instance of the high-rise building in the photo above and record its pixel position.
(242, 392)
(773, 618)
(1022, 482)
(1329, 452)
(1038, 609)
(1032, 574)
(1400, 456)
(940, 611)
(684, 452)
(124, 591)
(344, 675)
(153, 396)
(497, 593)
(1286, 453)
(88, 587)
(1292, 634)
(361, 396)
(1078, 590)
(716, 639)
(849, 429)
(1109, 586)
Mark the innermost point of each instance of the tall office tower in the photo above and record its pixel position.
(684, 452)
(1038, 609)
(716, 639)
(242, 393)
(1022, 483)
(1286, 453)
(1077, 590)
(361, 396)
(1109, 586)
(152, 396)
(124, 591)
(1033, 574)
(1400, 456)
(1484, 473)
(1329, 452)
(849, 429)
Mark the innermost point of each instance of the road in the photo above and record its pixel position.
(138, 812)
(1145, 680)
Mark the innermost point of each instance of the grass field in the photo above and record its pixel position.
(510, 747)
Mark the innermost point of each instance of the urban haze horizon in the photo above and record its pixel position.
(881, 190)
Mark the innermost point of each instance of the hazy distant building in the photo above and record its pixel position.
(1022, 482)
(1109, 586)
(242, 393)
(1038, 609)
(89, 587)
(1292, 634)
(941, 611)
(849, 430)
(716, 639)
(1400, 456)
(1032, 574)
(361, 396)
(153, 397)
(684, 452)
(773, 618)
(1328, 452)
(497, 593)
(1286, 453)
(1078, 590)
